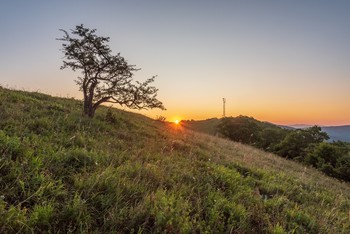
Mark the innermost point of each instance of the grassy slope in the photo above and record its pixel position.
(64, 173)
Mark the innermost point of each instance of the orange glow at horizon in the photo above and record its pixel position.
(283, 116)
(282, 112)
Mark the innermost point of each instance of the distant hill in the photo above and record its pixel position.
(120, 172)
(300, 126)
(338, 133)
(335, 133)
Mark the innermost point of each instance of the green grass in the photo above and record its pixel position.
(125, 173)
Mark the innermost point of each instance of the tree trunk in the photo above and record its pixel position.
(89, 109)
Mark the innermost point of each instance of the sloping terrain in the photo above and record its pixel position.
(124, 173)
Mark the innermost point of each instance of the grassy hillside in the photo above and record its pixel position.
(122, 172)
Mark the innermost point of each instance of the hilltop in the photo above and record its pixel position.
(122, 172)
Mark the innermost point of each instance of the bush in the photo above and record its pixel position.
(343, 168)
(332, 159)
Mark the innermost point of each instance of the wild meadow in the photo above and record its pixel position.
(120, 172)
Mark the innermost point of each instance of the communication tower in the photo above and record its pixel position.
(223, 110)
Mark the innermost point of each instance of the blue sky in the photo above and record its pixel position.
(280, 61)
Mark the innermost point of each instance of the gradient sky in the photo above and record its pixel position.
(280, 61)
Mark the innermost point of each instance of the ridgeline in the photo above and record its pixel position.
(120, 172)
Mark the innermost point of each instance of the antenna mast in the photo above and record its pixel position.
(223, 102)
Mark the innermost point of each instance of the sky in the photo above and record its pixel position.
(285, 62)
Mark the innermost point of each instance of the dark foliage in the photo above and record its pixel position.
(241, 129)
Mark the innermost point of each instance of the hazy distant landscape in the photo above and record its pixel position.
(338, 133)
(335, 133)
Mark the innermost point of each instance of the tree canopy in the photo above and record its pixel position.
(105, 77)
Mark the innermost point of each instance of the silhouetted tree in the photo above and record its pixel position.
(105, 77)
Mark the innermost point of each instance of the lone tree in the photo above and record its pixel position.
(105, 77)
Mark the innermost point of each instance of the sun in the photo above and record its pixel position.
(177, 121)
